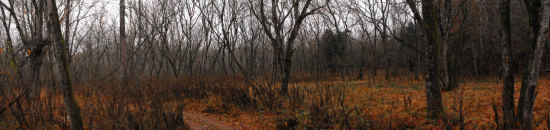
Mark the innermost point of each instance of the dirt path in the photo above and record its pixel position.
(201, 121)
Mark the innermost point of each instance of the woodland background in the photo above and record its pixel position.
(333, 64)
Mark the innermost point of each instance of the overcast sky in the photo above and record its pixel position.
(112, 7)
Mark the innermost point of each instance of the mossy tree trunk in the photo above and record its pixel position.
(429, 21)
(54, 28)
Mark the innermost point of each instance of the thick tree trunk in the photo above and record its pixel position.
(433, 86)
(433, 89)
(539, 11)
(286, 75)
(71, 106)
(432, 79)
(507, 74)
(287, 61)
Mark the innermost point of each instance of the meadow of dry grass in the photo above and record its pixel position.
(397, 103)
(159, 104)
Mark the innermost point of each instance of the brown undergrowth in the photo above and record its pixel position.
(395, 103)
(103, 106)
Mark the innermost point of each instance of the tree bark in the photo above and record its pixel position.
(539, 11)
(71, 106)
(507, 73)
(286, 72)
(430, 24)
(68, 28)
(433, 89)
(444, 22)
(123, 50)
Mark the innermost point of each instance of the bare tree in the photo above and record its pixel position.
(507, 73)
(282, 36)
(54, 28)
(36, 42)
(539, 20)
(11, 48)
(123, 49)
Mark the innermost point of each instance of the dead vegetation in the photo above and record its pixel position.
(159, 104)
(104, 106)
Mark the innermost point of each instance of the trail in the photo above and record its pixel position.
(201, 121)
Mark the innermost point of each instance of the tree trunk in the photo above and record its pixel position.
(431, 29)
(445, 65)
(475, 53)
(448, 63)
(71, 106)
(123, 53)
(374, 60)
(286, 73)
(507, 73)
(68, 29)
(474, 56)
(362, 64)
(538, 26)
(284, 60)
(36, 62)
(452, 70)
(287, 60)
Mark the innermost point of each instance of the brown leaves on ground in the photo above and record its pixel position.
(398, 103)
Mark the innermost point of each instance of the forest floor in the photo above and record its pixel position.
(224, 103)
(399, 102)
(199, 120)
(202, 121)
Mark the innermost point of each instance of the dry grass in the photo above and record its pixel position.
(397, 103)
(103, 106)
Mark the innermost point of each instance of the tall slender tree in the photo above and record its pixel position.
(123, 49)
(54, 29)
(507, 74)
(539, 20)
